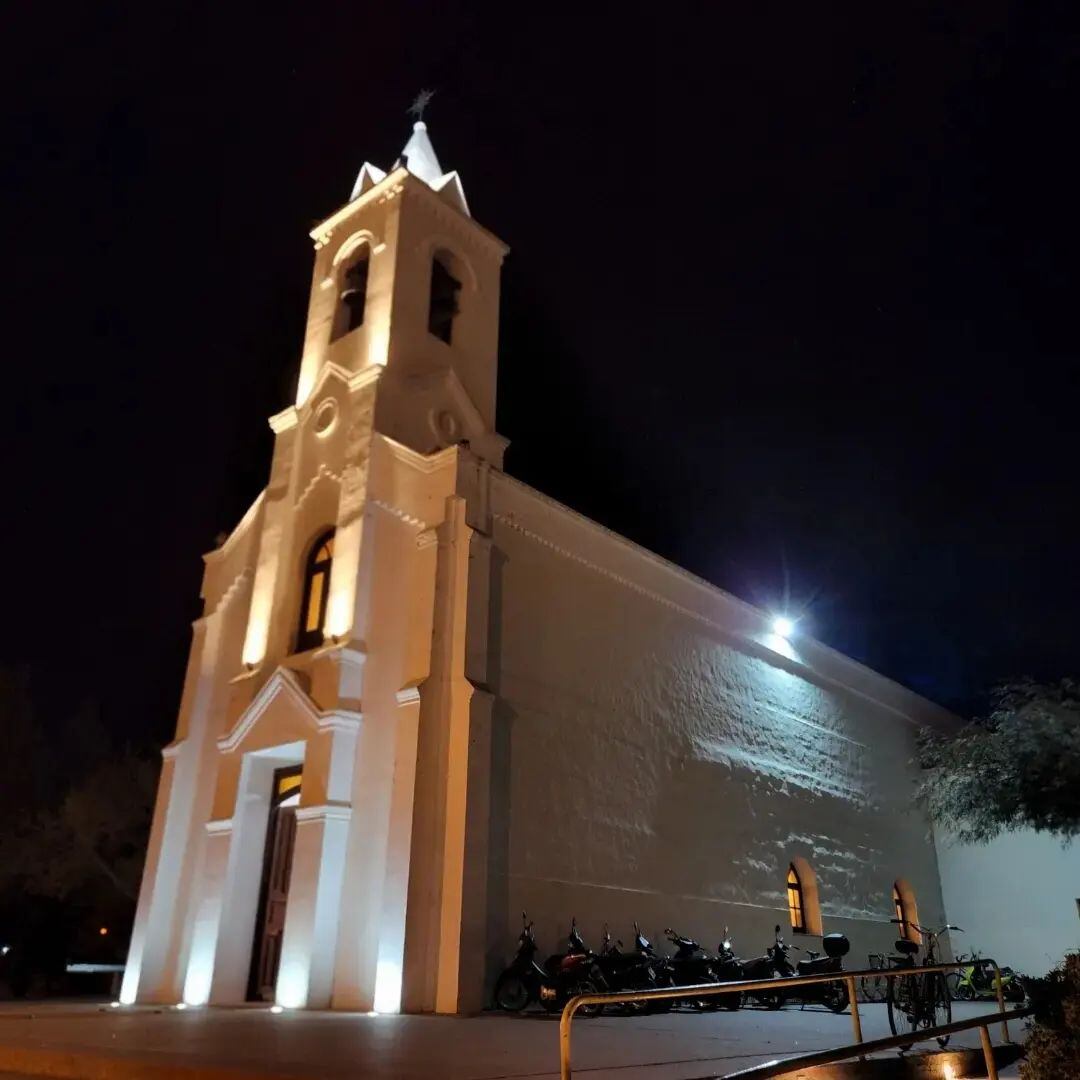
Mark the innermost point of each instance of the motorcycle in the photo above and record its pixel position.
(691, 965)
(977, 981)
(626, 970)
(755, 969)
(661, 966)
(833, 995)
(561, 977)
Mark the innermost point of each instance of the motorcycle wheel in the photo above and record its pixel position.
(835, 996)
(511, 992)
(770, 999)
(1015, 991)
(965, 992)
(587, 986)
(732, 1002)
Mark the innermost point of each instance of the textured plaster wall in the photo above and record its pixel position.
(1016, 897)
(649, 763)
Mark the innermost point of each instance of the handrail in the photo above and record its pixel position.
(782, 1066)
(750, 985)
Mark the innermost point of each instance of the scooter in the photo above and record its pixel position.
(552, 985)
(661, 966)
(691, 965)
(977, 981)
(626, 970)
(755, 969)
(833, 995)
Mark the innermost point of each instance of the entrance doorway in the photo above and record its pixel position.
(274, 890)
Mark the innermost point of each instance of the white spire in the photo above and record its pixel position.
(418, 156)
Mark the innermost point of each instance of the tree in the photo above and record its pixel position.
(1019, 767)
(95, 836)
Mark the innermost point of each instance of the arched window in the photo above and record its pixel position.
(316, 588)
(795, 901)
(443, 303)
(352, 294)
(903, 897)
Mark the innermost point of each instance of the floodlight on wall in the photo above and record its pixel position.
(783, 627)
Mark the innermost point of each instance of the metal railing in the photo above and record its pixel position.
(848, 977)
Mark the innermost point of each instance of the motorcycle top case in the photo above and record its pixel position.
(836, 945)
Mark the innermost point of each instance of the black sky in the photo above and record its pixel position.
(791, 300)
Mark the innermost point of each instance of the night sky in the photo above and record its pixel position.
(791, 300)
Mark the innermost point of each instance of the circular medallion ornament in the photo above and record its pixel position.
(326, 417)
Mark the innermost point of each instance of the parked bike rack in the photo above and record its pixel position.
(849, 977)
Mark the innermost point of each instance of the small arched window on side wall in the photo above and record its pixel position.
(443, 301)
(316, 589)
(352, 293)
(906, 910)
(804, 908)
(795, 902)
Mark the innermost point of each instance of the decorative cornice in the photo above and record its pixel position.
(284, 681)
(173, 749)
(400, 514)
(284, 420)
(220, 827)
(325, 812)
(235, 586)
(409, 695)
(344, 720)
(425, 463)
(322, 472)
(388, 188)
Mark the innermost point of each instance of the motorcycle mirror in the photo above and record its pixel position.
(959, 928)
(776, 929)
(897, 921)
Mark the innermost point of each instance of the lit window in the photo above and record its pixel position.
(796, 907)
(316, 587)
(906, 912)
(443, 305)
(352, 295)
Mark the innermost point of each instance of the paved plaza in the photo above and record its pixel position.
(94, 1041)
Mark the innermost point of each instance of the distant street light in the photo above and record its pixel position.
(783, 626)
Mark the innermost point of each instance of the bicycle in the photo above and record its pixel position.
(919, 1001)
(874, 988)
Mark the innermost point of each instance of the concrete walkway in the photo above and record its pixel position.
(91, 1041)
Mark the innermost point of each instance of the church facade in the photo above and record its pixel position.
(423, 697)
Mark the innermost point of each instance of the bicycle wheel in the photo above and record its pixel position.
(902, 998)
(952, 982)
(939, 1006)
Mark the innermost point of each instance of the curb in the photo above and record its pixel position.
(78, 1065)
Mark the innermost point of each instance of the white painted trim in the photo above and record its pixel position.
(409, 695)
(325, 812)
(282, 681)
(220, 827)
(284, 420)
(169, 752)
(425, 463)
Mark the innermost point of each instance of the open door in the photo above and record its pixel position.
(274, 892)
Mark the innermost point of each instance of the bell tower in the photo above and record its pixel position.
(407, 281)
(327, 717)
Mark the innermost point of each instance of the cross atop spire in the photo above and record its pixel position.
(420, 103)
(418, 156)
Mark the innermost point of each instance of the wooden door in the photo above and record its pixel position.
(280, 838)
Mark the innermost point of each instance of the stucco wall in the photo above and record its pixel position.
(653, 760)
(1016, 898)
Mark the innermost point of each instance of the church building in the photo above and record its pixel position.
(423, 696)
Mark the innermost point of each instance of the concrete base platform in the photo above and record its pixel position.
(94, 1042)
